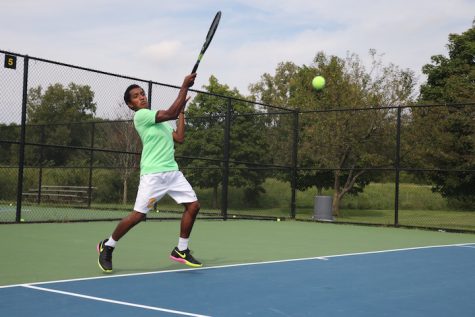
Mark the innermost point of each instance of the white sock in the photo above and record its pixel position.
(182, 244)
(111, 242)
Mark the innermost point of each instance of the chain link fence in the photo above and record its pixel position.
(69, 152)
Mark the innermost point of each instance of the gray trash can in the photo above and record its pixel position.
(322, 209)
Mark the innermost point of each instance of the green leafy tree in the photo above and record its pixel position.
(276, 90)
(57, 116)
(205, 139)
(336, 148)
(445, 134)
(9, 151)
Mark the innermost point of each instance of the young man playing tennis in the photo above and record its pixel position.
(159, 174)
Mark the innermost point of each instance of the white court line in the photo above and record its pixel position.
(326, 257)
(177, 312)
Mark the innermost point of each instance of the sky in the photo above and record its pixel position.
(160, 40)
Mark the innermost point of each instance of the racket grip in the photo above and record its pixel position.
(195, 67)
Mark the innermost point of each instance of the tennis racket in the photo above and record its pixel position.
(209, 37)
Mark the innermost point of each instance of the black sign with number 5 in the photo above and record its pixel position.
(10, 61)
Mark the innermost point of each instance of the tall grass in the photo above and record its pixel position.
(376, 196)
(382, 196)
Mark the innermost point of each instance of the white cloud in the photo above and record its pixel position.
(163, 51)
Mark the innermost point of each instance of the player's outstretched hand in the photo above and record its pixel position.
(189, 80)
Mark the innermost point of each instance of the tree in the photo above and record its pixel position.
(8, 151)
(56, 116)
(452, 79)
(445, 132)
(276, 90)
(121, 135)
(342, 145)
(205, 142)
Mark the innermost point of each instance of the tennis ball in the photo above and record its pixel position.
(278, 219)
(22, 220)
(318, 82)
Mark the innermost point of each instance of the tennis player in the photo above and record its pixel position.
(159, 174)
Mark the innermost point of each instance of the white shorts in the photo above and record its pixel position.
(153, 187)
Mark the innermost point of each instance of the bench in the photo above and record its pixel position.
(59, 194)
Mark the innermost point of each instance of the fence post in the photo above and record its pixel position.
(91, 164)
(227, 132)
(21, 154)
(397, 167)
(150, 85)
(295, 140)
(40, 176)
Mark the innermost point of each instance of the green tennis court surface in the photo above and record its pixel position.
(311, 263)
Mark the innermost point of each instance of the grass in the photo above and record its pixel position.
(380, 196)
(418, 206)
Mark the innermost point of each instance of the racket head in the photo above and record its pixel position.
(209, 37)
(212, 30)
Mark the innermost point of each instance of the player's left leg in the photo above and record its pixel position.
(182, 192)
(182, 253)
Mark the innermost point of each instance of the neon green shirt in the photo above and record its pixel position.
(158, 153)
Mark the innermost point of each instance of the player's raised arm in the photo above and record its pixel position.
(173, 112)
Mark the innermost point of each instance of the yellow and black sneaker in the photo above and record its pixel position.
(105, 256)
(185, 257)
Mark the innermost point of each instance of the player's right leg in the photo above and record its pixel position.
(149, 192)
(105, 247)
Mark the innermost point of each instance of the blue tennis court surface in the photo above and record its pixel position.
(428, 281)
